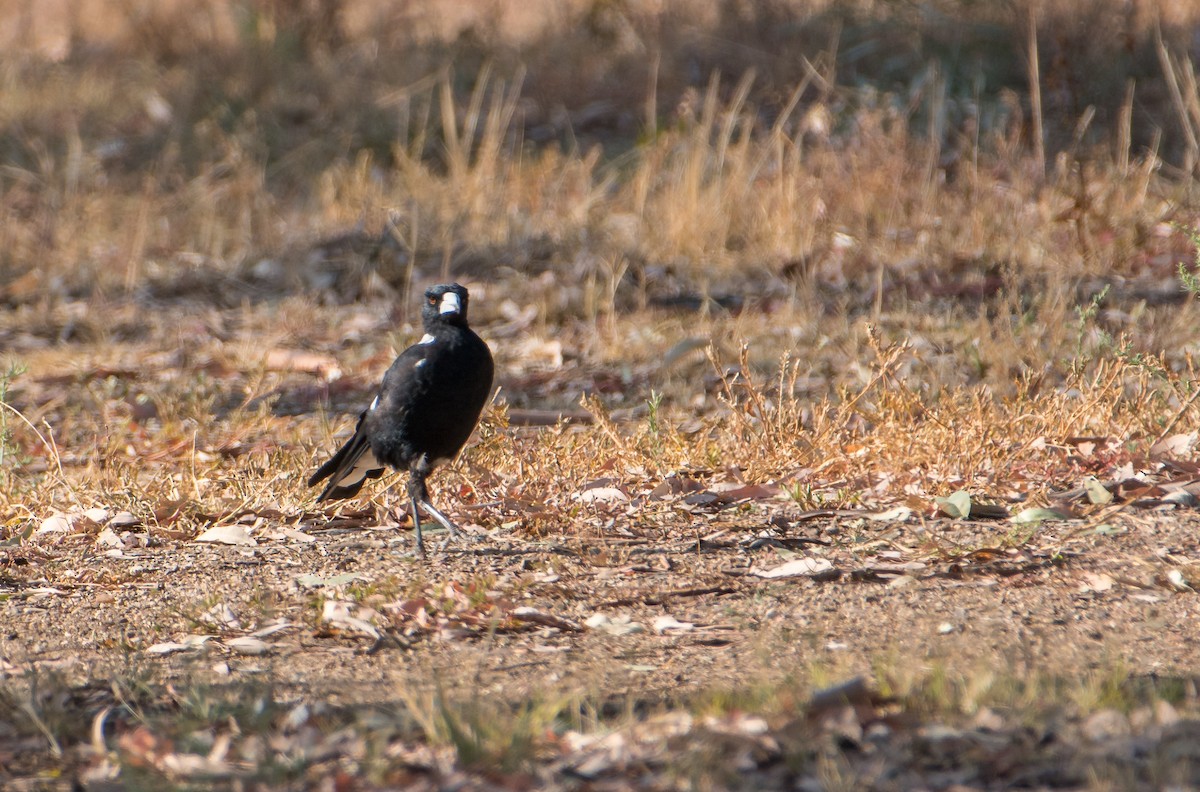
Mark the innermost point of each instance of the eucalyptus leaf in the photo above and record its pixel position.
(1097, 493)
(1037, 515)
(957, 506)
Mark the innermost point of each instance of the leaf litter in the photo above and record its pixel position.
(636, 565)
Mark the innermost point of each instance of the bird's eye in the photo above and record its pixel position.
(432, 300)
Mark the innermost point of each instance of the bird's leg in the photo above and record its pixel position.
(416, 494)
(443, 519)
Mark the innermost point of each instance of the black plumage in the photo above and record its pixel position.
(428, 405)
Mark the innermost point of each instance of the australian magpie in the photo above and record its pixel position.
(428, 404)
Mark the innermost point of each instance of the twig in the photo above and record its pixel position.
(658, 599)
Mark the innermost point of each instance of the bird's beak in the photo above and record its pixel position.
(450, 304)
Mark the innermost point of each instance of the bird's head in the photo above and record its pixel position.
(445, 303)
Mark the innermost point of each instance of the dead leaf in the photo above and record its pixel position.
(1177, 445)
(798, 567)
(956, 506)
(1036, 515)
(228, 534)
(732, 491)
(675, 485)
(601, 495)
(275, 626)
(617, 625)
(701, 499)
(662, 624)
(249, 645)
(897, 514)
(108, 538)
(288, 532)
(168, 647)
(1097, 493)
(56, 523)
(188, 643)
(347, 615)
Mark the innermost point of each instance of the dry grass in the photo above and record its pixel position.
(841, 251)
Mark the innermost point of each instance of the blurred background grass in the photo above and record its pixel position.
(731, 145)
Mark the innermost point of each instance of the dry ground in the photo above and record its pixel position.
(846, 433)
(613, 619)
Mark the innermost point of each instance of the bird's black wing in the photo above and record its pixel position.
(350, 467)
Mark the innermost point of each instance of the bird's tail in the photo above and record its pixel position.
(349, 468)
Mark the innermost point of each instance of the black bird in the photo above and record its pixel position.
(428, 404)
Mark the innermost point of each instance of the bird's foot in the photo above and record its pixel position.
(458, 536)
(446, 522)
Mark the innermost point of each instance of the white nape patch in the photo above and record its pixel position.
(450, 304)
(426, 339)
(362, 466)
(374, 404)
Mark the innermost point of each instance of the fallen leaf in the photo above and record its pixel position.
(97, 515)
(227, 534)
(798, 567)
(1036, 515)
(189, 643)
(124, 519)
(618, 625)
(730, 491)
(348, 616)
(108, 538)
(1177, 445)
(898, 514)
(55, 523)
(271, 628)
(1097, 493)
(1180, 497)
(662, 624)
(288, 532)
(168, 647)
(675, 485)
(601, 495)
(957, 506)
(248, 645)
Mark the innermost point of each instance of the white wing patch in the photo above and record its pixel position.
(364, 465)
(426, 339)
(374, 404)
(419, 363)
